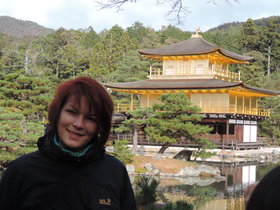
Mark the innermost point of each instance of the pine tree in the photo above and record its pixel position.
(132, 66)
(146, 190)
(24, 101)
(98, 66)
(135, 123)
(270, 127)
(126, 43)
(270, 43)
(89, 38)
(176, 117)
(122, 151)
(249, 36)
(137, 31)
(170, 32)
(252, 75)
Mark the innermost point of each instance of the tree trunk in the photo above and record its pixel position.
(268, 60)
(163, 148)
(23, 125)
(135, 141)
(26, 61)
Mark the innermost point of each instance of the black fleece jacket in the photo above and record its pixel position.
(50, 179)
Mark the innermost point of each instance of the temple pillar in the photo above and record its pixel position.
(131, 101)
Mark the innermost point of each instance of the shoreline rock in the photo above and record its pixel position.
(261, 155)
(201, 170)
(201, 175)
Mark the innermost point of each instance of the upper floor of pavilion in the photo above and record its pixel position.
(194, 58)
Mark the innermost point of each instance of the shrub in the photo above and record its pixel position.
(122, 151)
(146, 189)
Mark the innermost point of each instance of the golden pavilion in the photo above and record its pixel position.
(201, 70)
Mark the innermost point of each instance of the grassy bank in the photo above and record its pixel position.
(165, 165)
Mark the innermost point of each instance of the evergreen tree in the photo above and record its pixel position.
(137, 31)
(270, 43)
(169, 33)
(106, 54)
(252, 74)
(122, 151)
(89, 38)
(249, 36)
(24, 101)
(98, 66)
(227, 39)
(126, 43)
(73, 61)
(11, 58)
(151, 40)
(135, 123)
(146, 190)
(175, 117)
(111, 43)
(133, 66)
(270, 127)
(62, 53)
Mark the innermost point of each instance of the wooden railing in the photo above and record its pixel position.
(125, 107)
(233, 109)
(249, 111)
(157, 71)
(234, 144)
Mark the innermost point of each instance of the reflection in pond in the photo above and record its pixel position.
(211, 194)
(197, 194)
(237, 179)
(203, 195)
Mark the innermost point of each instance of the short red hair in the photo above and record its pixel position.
(97, 97)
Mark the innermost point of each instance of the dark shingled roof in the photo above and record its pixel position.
(184, 84)
(192, 46)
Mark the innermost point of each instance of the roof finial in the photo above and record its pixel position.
(197, 31)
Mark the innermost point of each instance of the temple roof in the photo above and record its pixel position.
(184, 84)
(196, 45)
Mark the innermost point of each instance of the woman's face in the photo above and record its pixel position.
(76, 124)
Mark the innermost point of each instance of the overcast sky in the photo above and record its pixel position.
(80, 14)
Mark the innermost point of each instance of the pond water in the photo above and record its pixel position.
(211, 194)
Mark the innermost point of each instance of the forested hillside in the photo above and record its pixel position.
(21, 29)
(237, 25)
(31, 69)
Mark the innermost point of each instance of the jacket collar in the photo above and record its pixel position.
(49, 148)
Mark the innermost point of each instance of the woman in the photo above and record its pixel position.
(70, 170)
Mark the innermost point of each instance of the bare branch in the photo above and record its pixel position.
(177, 7)
(112, 3)
(229, 2)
